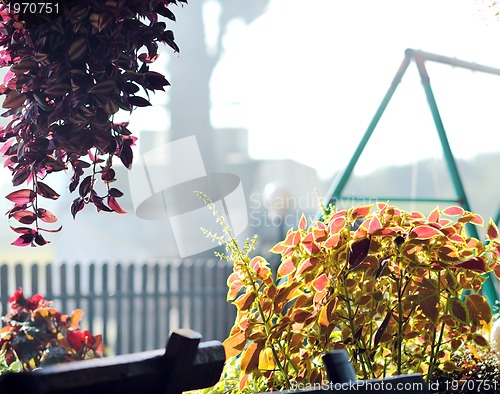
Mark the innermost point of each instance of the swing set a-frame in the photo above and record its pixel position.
(420, 57)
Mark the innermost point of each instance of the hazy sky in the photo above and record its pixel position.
(306, 79)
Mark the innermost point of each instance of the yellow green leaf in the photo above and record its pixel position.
(244, 301)
(453, 211)
(302, 222)
(434, 216)
(250, 357)
(266, 360)
(374, 224)
(320, 282)
(429, 305)
(286, 294)
(75, 318)
(424, 232)
(459, 310)
(286, 268)
(305, 265)
(234, 344)
(332, 241)
(325, 315)
(336, 225)
(479, 310)
(496, 270)
(361, 212)
(492, 231)
(234, 286)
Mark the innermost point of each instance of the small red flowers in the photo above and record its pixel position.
(83, 340)
(18, 295)
(18, 301)
(37, 334)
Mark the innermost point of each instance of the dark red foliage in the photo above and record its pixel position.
(71, 69)
(359, 251)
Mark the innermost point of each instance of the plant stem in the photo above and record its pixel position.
(400, 325)
(264, 320)
(436, 346)
(364, 356)
(352, 325)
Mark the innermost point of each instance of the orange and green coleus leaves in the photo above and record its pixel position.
(377, 282)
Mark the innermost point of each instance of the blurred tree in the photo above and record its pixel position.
(192, 70)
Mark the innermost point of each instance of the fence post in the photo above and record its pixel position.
(145, 307)
(132, 319)
(4, 287)
(35, 278)
(91, 297)
(119, 310)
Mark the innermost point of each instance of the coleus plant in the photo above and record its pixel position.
(72, 66)
(397, 290)
(36, 334)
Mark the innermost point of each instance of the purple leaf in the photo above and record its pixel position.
(113, 204)
(99, 204)
(46, 216)
(359, 251)
(108, 176)
(23, 240)
(85, 186)
(138, 101)
(382, 328)
(23, 196)
(126, 156)
(39, 240)
(115, 192)
(24, 217)
(474, 264)
(77, 206)
(46, 191)
(20, 176)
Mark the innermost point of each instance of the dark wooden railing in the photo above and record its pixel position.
(132, 305)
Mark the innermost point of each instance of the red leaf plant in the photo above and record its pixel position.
(36, 334)
(72, 66)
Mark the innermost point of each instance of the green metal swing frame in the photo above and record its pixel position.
(420, 57)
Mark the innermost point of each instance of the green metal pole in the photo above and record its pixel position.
(339, 187)
(488, 286)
